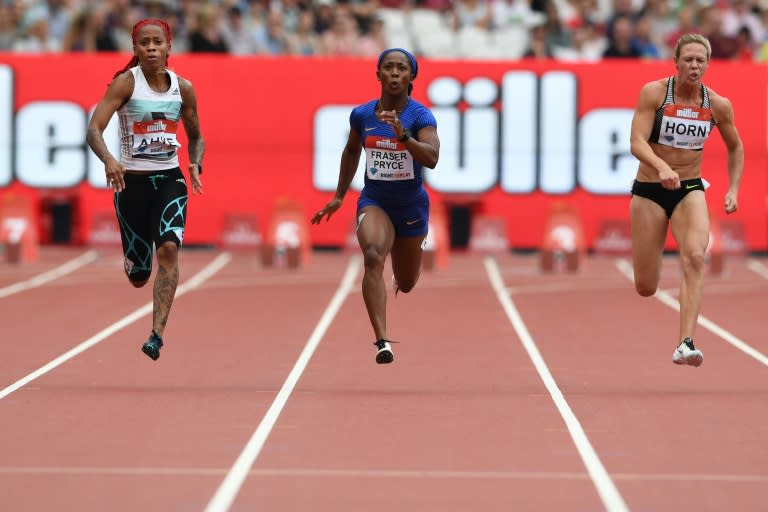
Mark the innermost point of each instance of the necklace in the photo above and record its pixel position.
(379, 108)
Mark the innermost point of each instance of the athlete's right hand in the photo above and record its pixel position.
(329, 210)
(670, 180)
(114, 172)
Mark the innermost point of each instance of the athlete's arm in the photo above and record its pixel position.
(118, 92)
(195, 140)
(723, 112)
(350, 158)
(642, 124)
(425, 150)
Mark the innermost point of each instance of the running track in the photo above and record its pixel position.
(510, 390)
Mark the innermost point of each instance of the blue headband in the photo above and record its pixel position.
(409, 55)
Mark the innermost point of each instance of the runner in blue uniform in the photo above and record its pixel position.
(399, 136)
(673, 119)
(150, 191)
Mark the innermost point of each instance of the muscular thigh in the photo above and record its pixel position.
(133, 207)
(375, 229)
(649, 232)
(406, 258)
(690, 222)
(169, 209)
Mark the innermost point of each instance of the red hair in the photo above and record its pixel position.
(135, 33)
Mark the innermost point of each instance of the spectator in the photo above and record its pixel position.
(291, 11)
(35, 36)
(620, 46)
(746, 50)
(512, 14)
(585, 45)
(59, 15)
(324, 14)
(271, 38)
(686, 24)
(723, 46)
(374, 41)
(343, 38)
(622, 9)
(304, 41)
(471, 13)
(739, 14)
(237, 33)
(7, 29)
(538, 46)
(207, 36)
(642, 39)
(663, 21)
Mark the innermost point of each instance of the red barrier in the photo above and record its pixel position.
(488, 234)
(614, 237)
(287, 237)
(241, 231)
(437, 244)
(18, 232)
(104, 230)
(563, 238)
(726, 238)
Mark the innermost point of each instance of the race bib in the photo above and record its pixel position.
(155, 138)
(387, 160)
(685, 127)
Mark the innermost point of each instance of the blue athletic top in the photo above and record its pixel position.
(391, 173)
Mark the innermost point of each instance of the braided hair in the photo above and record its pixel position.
(134, 34)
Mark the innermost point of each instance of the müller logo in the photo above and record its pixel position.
(159, 126)
(688, 112)
(386, 144)
(521, 133)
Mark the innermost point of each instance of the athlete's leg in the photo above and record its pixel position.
(166, 280)
(406, 261)
(133, 211)
(169, 219)
(375, 234)
(649, 231)
(690, 227)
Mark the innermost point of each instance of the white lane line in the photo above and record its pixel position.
(193, 282)
(625, 267)
(408, 474)
(227, 491)
(758, 268)
(605, 487)
(55, 273)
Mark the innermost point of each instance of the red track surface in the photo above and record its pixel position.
(461, 421)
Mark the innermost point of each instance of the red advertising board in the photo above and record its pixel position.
(516, 137)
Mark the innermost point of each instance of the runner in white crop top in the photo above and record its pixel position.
(150, 191)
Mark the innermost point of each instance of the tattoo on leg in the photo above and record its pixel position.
(163, 293)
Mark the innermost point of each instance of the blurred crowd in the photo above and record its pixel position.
(477, 29)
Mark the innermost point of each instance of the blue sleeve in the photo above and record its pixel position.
(424, 118)
(356, 120)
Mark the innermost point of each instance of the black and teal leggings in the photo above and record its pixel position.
(151, 209)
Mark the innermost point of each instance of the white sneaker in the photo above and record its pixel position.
(686, 353)
(384, 353)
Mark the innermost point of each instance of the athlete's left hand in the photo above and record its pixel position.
(194, 175)
(731, 203)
